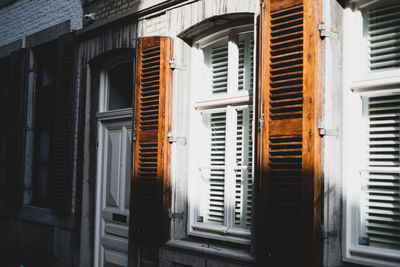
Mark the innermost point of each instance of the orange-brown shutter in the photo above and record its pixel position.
(290, 147)
(151, 188)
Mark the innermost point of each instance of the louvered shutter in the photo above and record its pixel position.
(219, 67)
(383, 30)
(64, 124)
(151, 188)
(16, 128)
(381, 181)
(290, 163)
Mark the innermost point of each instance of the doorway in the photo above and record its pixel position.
(114, 157)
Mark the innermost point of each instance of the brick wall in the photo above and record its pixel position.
(25, 17)
(108, 8)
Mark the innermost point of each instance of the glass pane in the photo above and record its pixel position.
(380, 224)
(244, 160)
(246, 57)
(3, 144)
(44, 147)
(120, 86)
(43, 181)
(216, 58)
(214, 173)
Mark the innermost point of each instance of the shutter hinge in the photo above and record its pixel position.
(97, 144)
(323, 32)
(261, 121)
(173, 65)
(175, 215)
(326, 234)
(173, 138)
(326, 132)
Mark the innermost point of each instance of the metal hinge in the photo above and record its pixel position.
(326, 234)
(173, 65)
(326, 132)
(175, 215)
(173, 138)
(261, 121)
(323, 32)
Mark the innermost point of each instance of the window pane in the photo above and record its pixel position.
(216, 57)
(246, 47)
(43, 179)
(44, 146)
(120, 86)
(3, 164)
(244, 177)
(383, 29)
(212, 175)
(380, 217)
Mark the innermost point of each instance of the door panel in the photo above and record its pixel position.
(114, 177)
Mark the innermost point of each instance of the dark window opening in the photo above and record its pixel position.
(44, 115)
(120, 82)
(3, 129)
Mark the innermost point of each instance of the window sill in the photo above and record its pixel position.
(216, 250)
(372, 256)
(41, 215)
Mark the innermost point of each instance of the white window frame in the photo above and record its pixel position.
(359, 81)
(231, 101)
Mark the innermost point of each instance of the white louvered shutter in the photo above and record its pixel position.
(381, 191)
(383, 30)
(219, 67)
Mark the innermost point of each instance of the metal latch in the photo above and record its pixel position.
(173, 138)
(323, 32)
(326, 132)
(326, 235)
(175, 215)
(173, 65)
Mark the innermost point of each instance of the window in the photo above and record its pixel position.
(221, 137)
(3, 131)
(372, 134)
(46, 66)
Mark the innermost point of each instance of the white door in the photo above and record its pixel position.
(113, 188)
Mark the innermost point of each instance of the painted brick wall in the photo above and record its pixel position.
(25, 17)
(108, 8)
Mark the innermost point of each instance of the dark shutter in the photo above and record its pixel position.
(64, 124)
(16, 129)
(151, 192)
(290, 164)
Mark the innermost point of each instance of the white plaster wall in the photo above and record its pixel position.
(332, 120)
(25, 17)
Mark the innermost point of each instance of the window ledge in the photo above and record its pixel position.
(372, 256)
(220, 251)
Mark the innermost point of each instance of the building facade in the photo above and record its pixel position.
(200, 133)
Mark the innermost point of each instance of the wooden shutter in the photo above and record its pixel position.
(151, 188)
(16, 128)
(290, 157)
(64, 124)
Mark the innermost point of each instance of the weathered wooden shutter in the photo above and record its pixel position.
(290, 157)
(16, 128)
(151, 188)
(64, 124)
